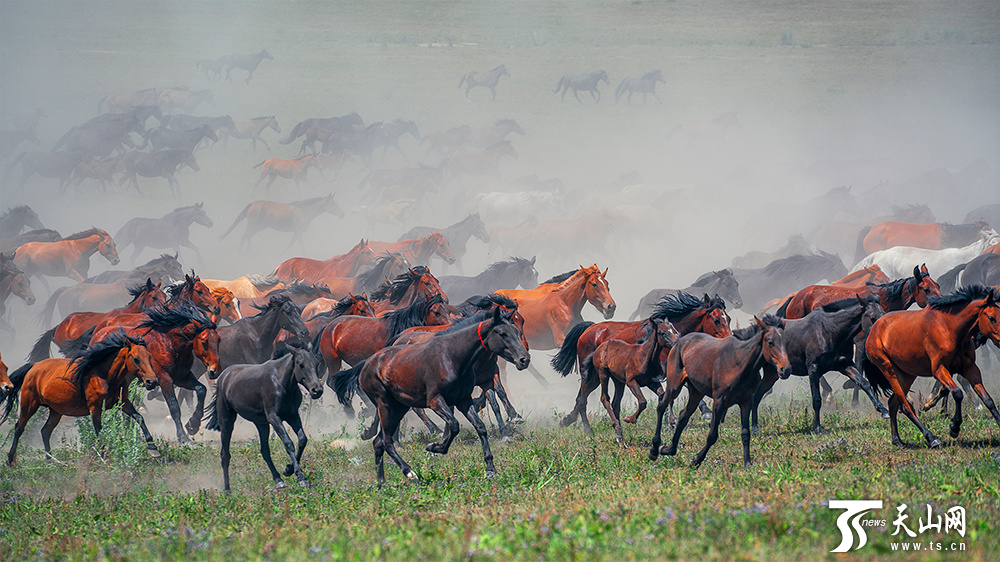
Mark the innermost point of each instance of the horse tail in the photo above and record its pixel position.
(45, 317)
(345, 383)
(100, 104)
(783, 309)
(859, 251)
(262, 163)
(619, 90)
(559, 85)
(41, 348)
(242, 215)
(565, 358)
(875, 376)
(17, 379)
(211, 418)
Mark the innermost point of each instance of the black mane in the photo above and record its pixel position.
(962, 296)
(561, 277)
(91, 356)
(163, 318)
(676, 306)
(410, 316)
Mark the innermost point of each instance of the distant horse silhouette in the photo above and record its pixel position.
(785, 275)
(292, 217)
(250, 129)
(586, 82)
(487, 137)
(162, 138)
(418, 251)
(294, 169)
(59, 165)
(13, 281)
(393, 131)
(183, 99)
(388, 266)
(17, 219)
(933, 236)
(168, 231)
(506, 274)
(484, 79)
(309, 270)
(721, 283)
(41, 235)
(485, 163)
(645, 85)
(11, 139)
(163, 164)
(245, 62)
(457, 236)
(343, 123)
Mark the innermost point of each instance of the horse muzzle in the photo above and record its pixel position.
(609, 312)
(150, 385)
(212, 374)
(784, 373)
(316, 393)
(522, 362)
(30, 300)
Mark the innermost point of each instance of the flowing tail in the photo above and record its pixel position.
(211, 418)
(41, 348)
(565, 359)
(559, 85)
(876, 378)
(783, 309)
(860, 251)
(242, 215)
(462, 81)
(17, 379)
(45, 316)
(345, 383)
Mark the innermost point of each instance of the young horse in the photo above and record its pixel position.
(17, 219)
(435, 374)
(728, 371)
(633, 364)
(823, 341)
(719, 283)
(250, 129)
(586, 82)
(507, 274)
(69, 257)
(13, 281)
(685, 313)
(88, 384)
(266, 394)
(245, 62)
(310, 271)
(645, 84)
(457, 236)
(484, 79)
(168, 231)
(292, 217)
(418, 251)
(935, 341)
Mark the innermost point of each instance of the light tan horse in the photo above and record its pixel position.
(69, 257)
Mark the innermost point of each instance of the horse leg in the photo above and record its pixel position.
(967, 389)
(706, 412)
(29, 405)
(502, 395)
(694, 397)
(817, 400)
(130, 411)
(766, 384)
(975, 378)
(825, 390)
(391, 414)
(938, 393)
(295, 422)
(861, 383)
(893, 423)
(442, 409)
(470, 414)
(900, 393)
(175, 409)
(226, 421)
(505, 431)
(187, 244)
(588, 385)
(53, 421)
(945, 378)
(577, 96)
(745, 431)
(637, 391)
(194, 424)
(655, 96)
(264, 430)
(430, 425)
(604, 377)
(279, 429)
(719, 408)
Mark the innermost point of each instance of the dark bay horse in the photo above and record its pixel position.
(308, 270)
(506, 274)
(294, 217)
(725, 369)
(933, 236)
(343, 123)
(896, 295)
(165, 268)
(15, 282)
(168, 231)
(937, 341)
(389, 266)
(244, 62)
(17, 219)
(457, 236)
(415, 284)
(163, 164)
(86, 385)
(489, 80)
(162, 138)
(435, 374)
(823, 341)
(721, 283)
(645, 85)
(586, 82)
(267, 395)
(69, 257)
(686, 313)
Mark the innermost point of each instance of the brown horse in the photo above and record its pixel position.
(634, 365)
(6, 387)
(936, 341)
(88, 384)
(13, 281)
(229, 305)
(933, 236)
(248, 286)
(726, 370)
(351, 305)
(418, 251)
(547, 319)
(416, 284)
(389, 266)
(489, 80)
(292, 217)
(310, 271)
(300, 293)
(858, 280)
(897, 295)
(69, 257)
(294, 169)
(686, 313)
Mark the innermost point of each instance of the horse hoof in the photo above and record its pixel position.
(747, 465)
(304, 483)
(654, 453)
(885, 414)
(629, 419)
(695, 462)
(192, 429)
(820, 430)
(435, 448)
(706, 417)
(936, 443)
(278, 484)
(667, 451)
(507, 439)
(153, 452)
(412, 476)
(491, 474)
(953, 433)
(755, 430)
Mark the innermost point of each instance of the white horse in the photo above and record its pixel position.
(511, 208)
(898, 261)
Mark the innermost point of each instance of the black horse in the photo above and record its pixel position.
(17, 219)
(721, 283)
(823, 341)
(163, 164)
(508, 274)
(165, 268)
(436, 374)
(267, 395)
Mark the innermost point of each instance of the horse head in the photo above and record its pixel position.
(304, 367)
(205, 346)
(136, 361)
(926, 287)
(729, 288)
(773, 344)
(441, 247)
(332, 207)
(987, 321)
(505, 339)
(106, 246)
(6, 386)
(597, 291)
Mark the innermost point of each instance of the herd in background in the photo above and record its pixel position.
(415, 340)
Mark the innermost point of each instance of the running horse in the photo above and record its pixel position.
(548, 318)
(416, 284)
(59, 165)
(168, 231)
(726, 370)
(645, 84)
(292, 168)
(17, 219)
(457, 235)
(685, 312)
(586, 82)
(418, 251)
(308, 270)
(937, 341)
(436, 374)
(86, 385)
(163, 164)
(897, 260)
(250, 129)
(389, 266)
(485, 163)
(721, 283)
(933, 236)
(484, 79)
(248, 286)
(292, 217)
(245, 62)
(896, 295)
(506, 274)
(69, 257)
(13, 281)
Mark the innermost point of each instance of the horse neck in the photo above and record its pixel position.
(420, 250)
(117, 373)
(311, 212)
(571, 294)
(963, 323)
(286, 372)
(751, 353)
(468, 349)
(846, 323)
(84, 247)
(907, 296)
(265, 324)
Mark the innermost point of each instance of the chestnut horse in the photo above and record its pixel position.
(686, 314)
(418, 251)
(69, 257)
(292, 217)
(933, 236)
(897, 295)
(858, 280)
(6, 387)
(726, 370)
(548, 318)
(388, 266)
(310, 271)
(294, 169)
(88, 384)
(248, 286)
(936, 341)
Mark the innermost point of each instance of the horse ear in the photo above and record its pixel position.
(719, 273)
(605, 274)
(364, 296)
(758, 321)
(916, 272)
(923, 269)
(533, 260)
(497, 315)
(706, 299)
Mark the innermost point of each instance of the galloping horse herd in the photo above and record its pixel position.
(413, 340)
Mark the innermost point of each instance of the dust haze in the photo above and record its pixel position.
(898, 99)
